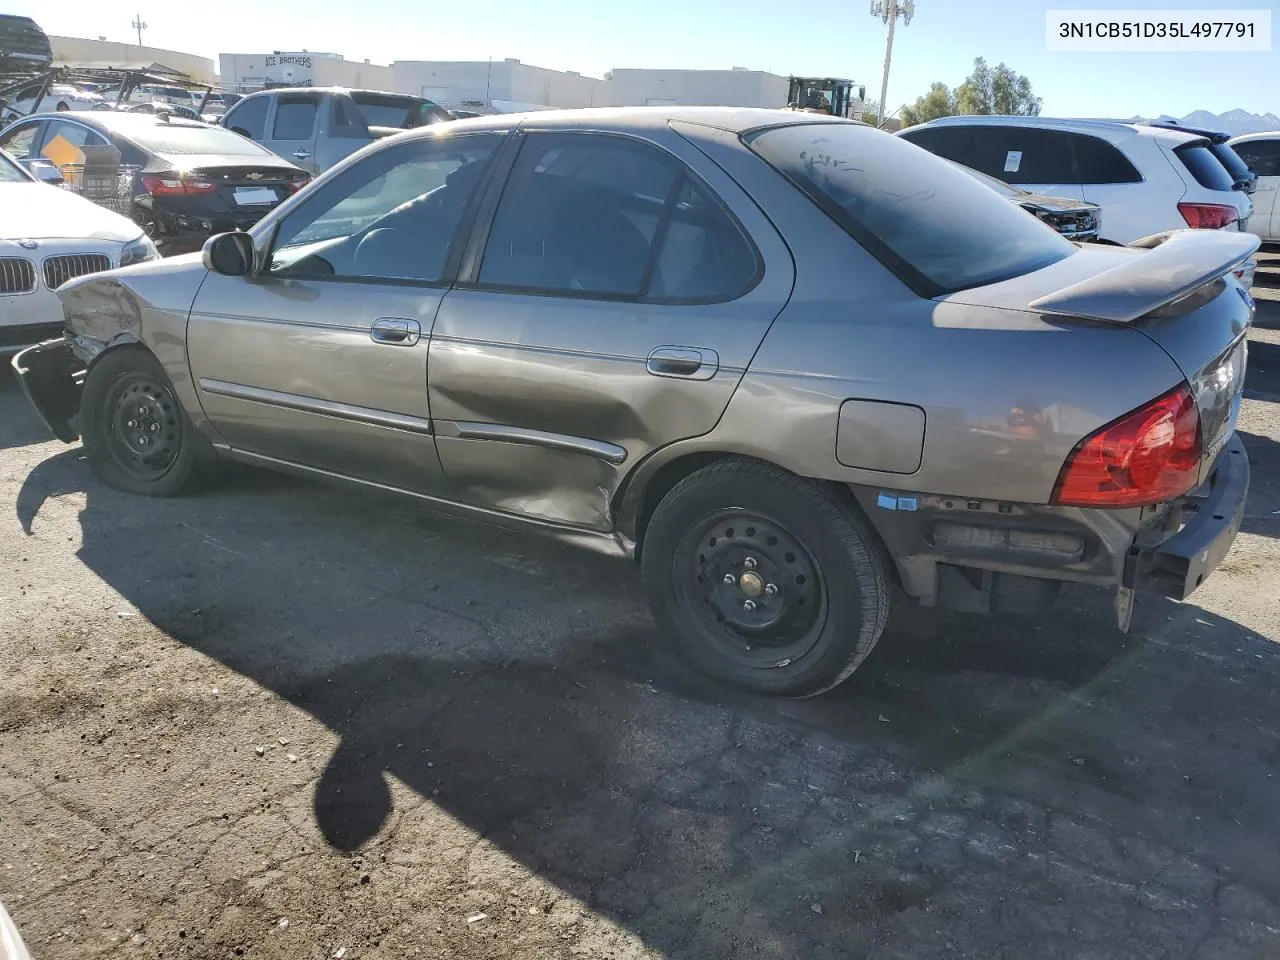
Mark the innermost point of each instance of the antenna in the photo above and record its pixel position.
(139, 25)
(889, 11)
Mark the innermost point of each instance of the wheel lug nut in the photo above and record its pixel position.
(729, 580)
(749, 605)
(770, 589)
(132, 424)
(155, 427)
(749, 563)
(143, 441)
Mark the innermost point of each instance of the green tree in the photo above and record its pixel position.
(997, 90)
(871, 112)
(988, 90)
(940, 101)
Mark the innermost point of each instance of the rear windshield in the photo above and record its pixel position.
(1204, 166)
(936, 227)
(181, 139)
(1231, 161)
(10, 172)
(404, 113)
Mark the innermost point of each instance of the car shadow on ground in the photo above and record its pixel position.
(901, 807)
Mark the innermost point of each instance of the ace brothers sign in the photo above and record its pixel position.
(293, 69)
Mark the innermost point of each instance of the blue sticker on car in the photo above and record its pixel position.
(888, 501)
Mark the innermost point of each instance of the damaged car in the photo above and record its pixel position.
(789, 363)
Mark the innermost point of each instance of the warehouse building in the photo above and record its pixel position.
(738, 87)
(497, 86)
(245, 72)
(80, 50)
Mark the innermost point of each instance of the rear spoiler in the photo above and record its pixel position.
(1174, 264)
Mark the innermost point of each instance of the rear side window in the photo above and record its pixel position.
(606, 216)
(1100, 162)
(949, 142)
(295, 117)
(249, 118)
(1022, 154)
(1262, 156)
(347, 121)
(17, 143)
(1204, 166)
(934, 226)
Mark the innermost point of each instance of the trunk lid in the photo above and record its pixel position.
(1178, 291)
(239, 186)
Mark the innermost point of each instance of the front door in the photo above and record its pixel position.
(1263, 158)
(292, 129)
(612, 310)
(321, 360)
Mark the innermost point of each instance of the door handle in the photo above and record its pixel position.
(301, 155)
(688, 363)
(395, 332)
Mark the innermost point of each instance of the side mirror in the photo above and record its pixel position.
(43, 170)
(230, 254)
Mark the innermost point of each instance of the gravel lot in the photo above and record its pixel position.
(284, 720)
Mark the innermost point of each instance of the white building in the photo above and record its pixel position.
(245, 72)
(738, 87)
(499, 86)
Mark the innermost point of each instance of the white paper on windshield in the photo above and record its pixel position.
(253, 196)
(1013, 161)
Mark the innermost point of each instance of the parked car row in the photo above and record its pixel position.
(786, 361)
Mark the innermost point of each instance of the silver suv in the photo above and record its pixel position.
(316, 127)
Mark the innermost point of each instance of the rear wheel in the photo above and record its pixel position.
(62, 106)
(135, 433)
(765, 580)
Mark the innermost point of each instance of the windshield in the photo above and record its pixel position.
(184, 140)
(934, 226)
(404, 113)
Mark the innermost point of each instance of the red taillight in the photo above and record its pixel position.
(293, 186)
(1145, 457)
(1208, 216)
(171, 186)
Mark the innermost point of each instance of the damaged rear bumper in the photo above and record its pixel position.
(52, 377)
(1177, 566)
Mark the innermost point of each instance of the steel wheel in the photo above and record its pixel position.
(144, 427)
(753, 588)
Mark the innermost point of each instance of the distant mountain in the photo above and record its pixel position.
(1234, 122)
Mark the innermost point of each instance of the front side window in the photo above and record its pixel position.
(249, 118)
(295, 117)
(393, 216)
(17, 142)
(934, 226)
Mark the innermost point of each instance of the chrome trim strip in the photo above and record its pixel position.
(277, 321)
(470, 430)
(326, 408)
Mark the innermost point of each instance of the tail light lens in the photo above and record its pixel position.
(1148, 456)
(293, 186)
(171, 186)
(1208, 216)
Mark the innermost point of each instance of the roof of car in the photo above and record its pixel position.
(1259, 135)
(732, 119)
(380, 93)
(1081, 124)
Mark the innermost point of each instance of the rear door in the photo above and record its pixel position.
(1263, 158)
(1110, 179)
(292, 128)
(612, 308)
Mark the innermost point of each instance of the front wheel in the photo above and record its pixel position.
(765, 581)
(136, 436)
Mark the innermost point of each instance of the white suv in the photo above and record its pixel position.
(1261, 153)
(1148, 179)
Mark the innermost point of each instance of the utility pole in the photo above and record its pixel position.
(889, 11)
(139, 26)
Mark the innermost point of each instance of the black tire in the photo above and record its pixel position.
(749, 520)
(157, 453)
(62, 107)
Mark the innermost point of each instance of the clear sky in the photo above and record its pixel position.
(592, 36)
